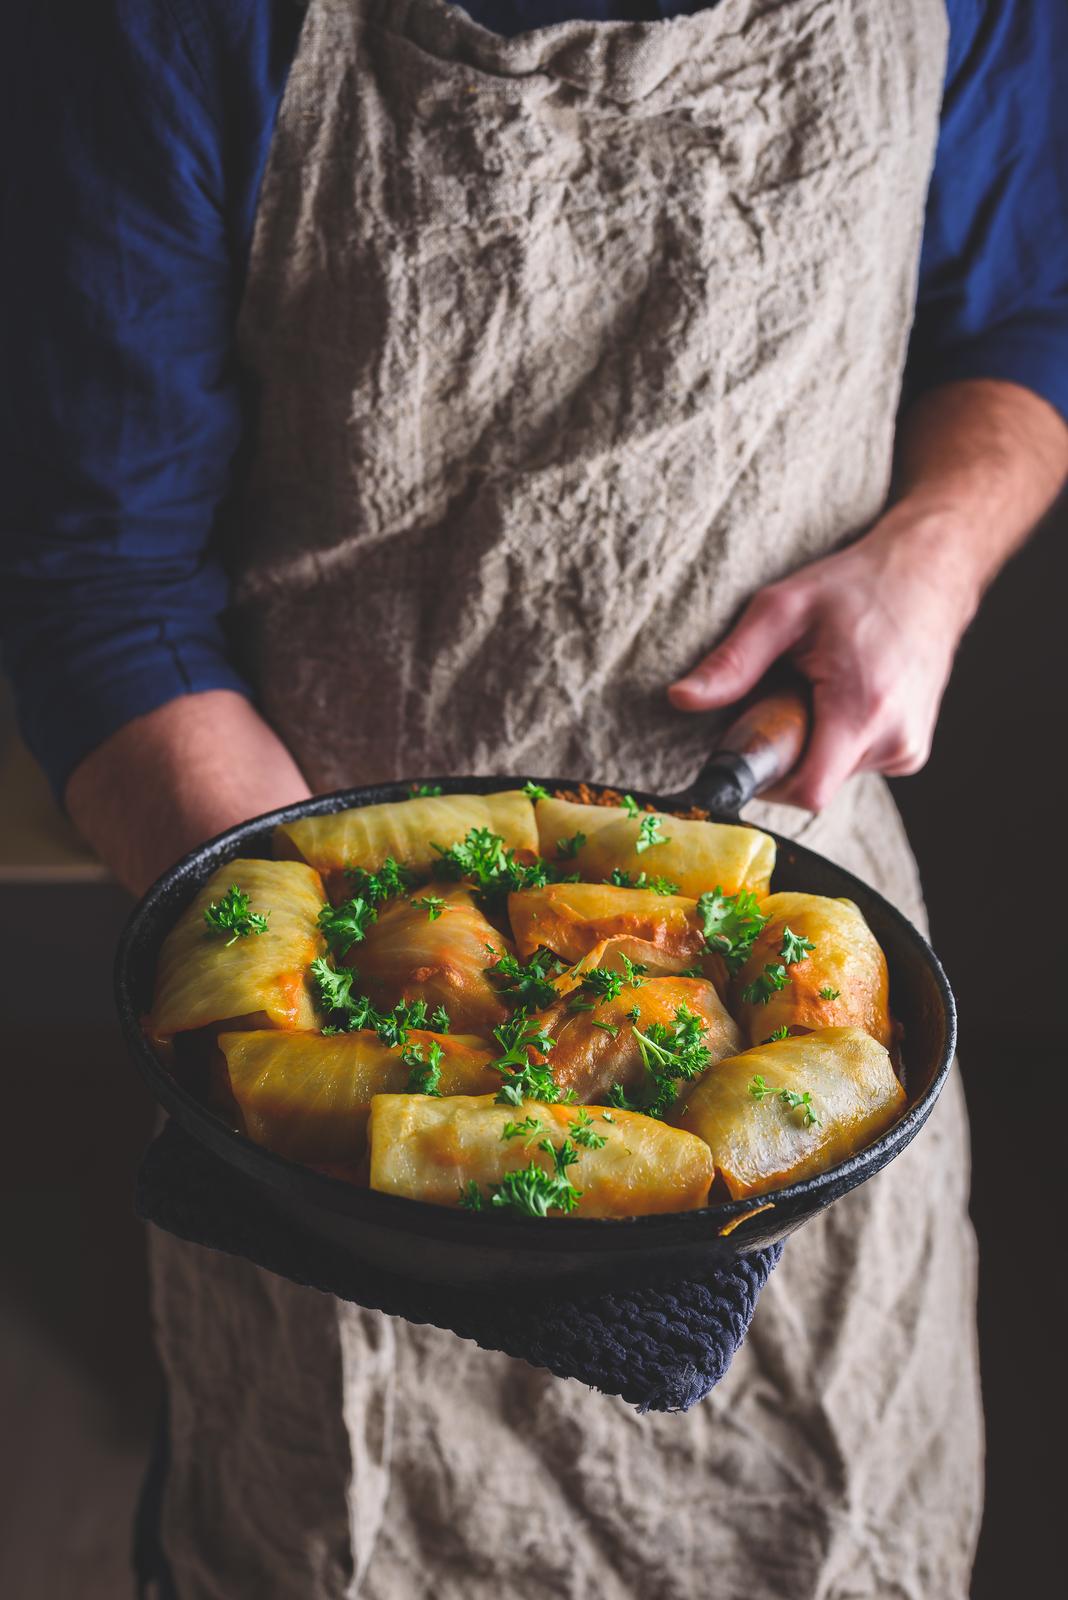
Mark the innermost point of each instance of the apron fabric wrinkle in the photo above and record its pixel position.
(565, 344)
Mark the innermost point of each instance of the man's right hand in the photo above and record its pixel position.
(167, 781)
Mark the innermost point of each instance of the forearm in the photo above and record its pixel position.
(168, 780)
(979, 464)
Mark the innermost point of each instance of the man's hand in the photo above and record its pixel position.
(169, 780)
(874, 627)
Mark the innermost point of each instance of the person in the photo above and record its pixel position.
(401, 389)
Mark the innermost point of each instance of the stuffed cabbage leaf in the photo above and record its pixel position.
(761, 1140)
(256, 981)
(435, 1149)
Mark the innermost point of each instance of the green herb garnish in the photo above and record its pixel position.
(432, 904)
(583, 1132)
(529, 985)
(774, 976)
(611, 1028)
(829, 993)
(439, 1020)
(534, 791)
(523, 1079)
(422, 791)
(569, 848)
(649, 834)
(789, 1098)
(631, 806)
(347, 924)
(483, 858)
(780, 1033)
(521, 1130)
(609, 985)
(641, 880)
(425, 1074)
(471, 1196)
(231, 915)
(390, 879)
(533, 1192)
(670, 1053)
(730, 924)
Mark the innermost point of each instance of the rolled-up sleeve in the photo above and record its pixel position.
(127, 210)
(993, 287)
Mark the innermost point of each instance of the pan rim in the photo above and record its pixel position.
(156, 912)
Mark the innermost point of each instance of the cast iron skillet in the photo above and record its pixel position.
(434, 1243)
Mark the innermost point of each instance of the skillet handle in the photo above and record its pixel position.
(763, 744)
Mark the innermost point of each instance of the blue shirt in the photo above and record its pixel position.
(139, 131)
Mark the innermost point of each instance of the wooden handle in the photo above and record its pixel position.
(770, 735)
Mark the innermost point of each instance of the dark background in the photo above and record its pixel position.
(77, 1379)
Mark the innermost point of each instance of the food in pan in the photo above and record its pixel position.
(841, 983)
(241, 953)
(491, 1011)
(473, 1152)
(308, 1096)
(410, 834)
(635, 844)
(793, 1107)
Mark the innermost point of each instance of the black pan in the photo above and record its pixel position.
(437, 1244)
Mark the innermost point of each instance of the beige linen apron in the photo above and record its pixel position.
(565, 345)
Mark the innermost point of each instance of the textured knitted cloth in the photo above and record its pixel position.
(662, 1347)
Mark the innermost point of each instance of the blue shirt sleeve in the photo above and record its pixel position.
(993, 288)
(141, 129)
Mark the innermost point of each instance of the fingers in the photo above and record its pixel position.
(838, 746)
(770, 624)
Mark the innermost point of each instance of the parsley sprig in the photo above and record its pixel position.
(231, 915)
(425, 1074)
(534, 791)
(483, 858)
(671, 1053)
(641, 880)
(569, 848)
(350, 1012)
(829, 993)
(790, 1098)
(432, 904)
(347, 924)
(529, 985)
(390, 879)
(524, 1079)
(793, 949)
(609, 985)
(730, 924)
(649, 833)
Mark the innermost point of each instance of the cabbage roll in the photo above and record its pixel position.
(407, 830)
(434, 1149)
(694, 856)
(259, 981)
(758, 1141)
(409, 955)
(571, 918)
(308, 1097)
(594, 1049)
(841, 983)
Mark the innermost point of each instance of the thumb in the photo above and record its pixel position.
(768, 626)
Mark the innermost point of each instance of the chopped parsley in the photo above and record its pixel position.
(780, 1033)
(521, 1130)
(641, 880)
(524, 1079)
(649, 833)
(569, 848)
(774, 976)
(534, 791)
(440, 1021)
(425, 1074)
(631, 806)
(349, 1013)
(422, 791)
(471, 1196)
(530, 985)
(583, 1132)
(390, 879)
(432, 904)
(483, 859)
(670, 1054)
(829, 993)
(611, 1028)
(609, 985)
(533, 1192)
(790, 1098)
(231, 915)
(347, 924)
(730, 924)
